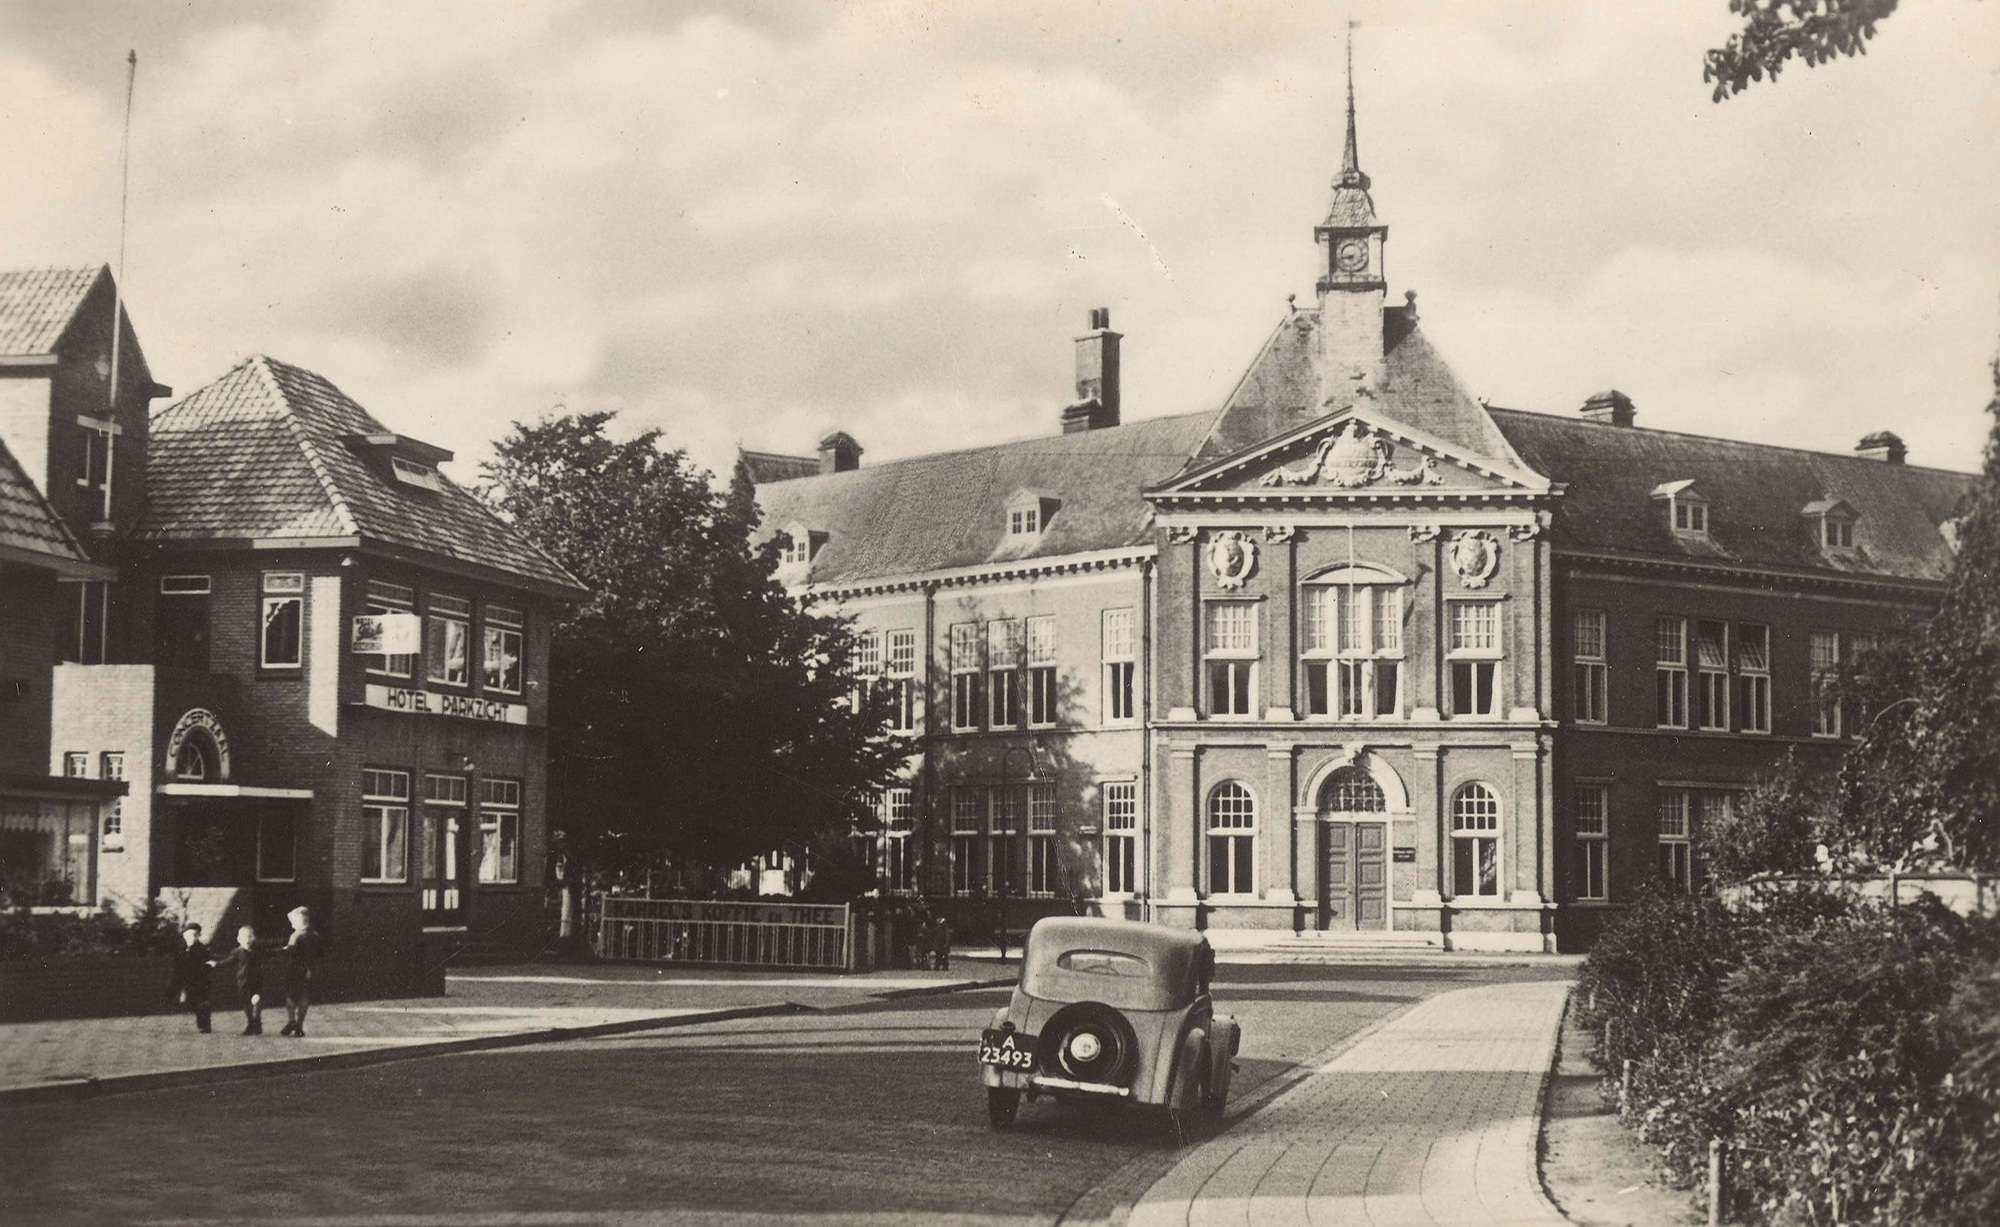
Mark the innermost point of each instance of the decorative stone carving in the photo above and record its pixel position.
(1181, 534)
(1423, 532)
(1280, 532)
(1232, 557)
(1524, 532)
(1475, 555)
(1354, 456)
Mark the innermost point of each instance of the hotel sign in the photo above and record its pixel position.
(436, 703)
(393, 634)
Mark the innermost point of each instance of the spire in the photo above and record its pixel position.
(1350, 158)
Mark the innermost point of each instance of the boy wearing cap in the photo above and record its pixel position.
(190, 982)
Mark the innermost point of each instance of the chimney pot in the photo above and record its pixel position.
(1612, 408)
(838, 453)
(1884, 446)
(1096, 377)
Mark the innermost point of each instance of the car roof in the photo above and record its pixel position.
(1058, 933)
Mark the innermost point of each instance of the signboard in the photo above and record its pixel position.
(437, 703)
(198, 748)
(391, 634)
(1405, 856)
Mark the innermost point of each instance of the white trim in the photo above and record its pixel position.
(1090, 560)
(233, 790)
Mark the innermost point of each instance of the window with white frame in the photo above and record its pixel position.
(797, 549)
(1353, 650)
(277, 844)
(1753, 677)
(1231, 657)
(1121, 668)
(1855, 648)
(1042, 671)
(1042, 869)
(76, 764)
(1473, 656)
(966, 666)
(111, 766)
(898, 870)
(1121, 837)
(1676, 841)
(866, 666)
(1475, 842)
(385, 825)
(1593, 842)
(448, 640)
(1590, 669)
(387, 598)
(902, 681)
(1670, 674)
(1024, 520)
(499, 830)
(1003, 838)
(1004, 641)
(282, 643)
(964, 839)
(93, 457)
(441, 824)
(1352, 790)
(1232, 840)
(1711, 690)
(500, 649)
(1825, 679)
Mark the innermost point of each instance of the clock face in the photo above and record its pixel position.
(1351, 256)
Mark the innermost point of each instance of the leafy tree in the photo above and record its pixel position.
(1777, 31)
(1775, 828)
(698, 715)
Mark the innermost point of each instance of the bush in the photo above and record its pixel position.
(27, 935)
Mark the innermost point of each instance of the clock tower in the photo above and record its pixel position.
(1351, 283)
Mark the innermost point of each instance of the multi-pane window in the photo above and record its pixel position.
(1042, 874)
(93, 457)
(385, 825)
(1003, 834)
(1231, 657)
(1041, 671)
(283, 638)
(111, 766)
(1676, 843)
(1825, 673)
(1232, 840)
(448, 640)
(499, 830)
(1121, 837)
(902, 681)
(964, 839)
(180, 622)
(898, 873)
(1711, 690)
(1475, 842)
(441, 842)
(966, 664)
(500, 650)
(1473, 654)
(1003, 672)
(1590, 670)
(1753, 677)
(1593, 836)
(1670, 674)
(1121, 667)
(868, 653)
(76, 764)
(1837, 532)
(1353, 650)
(386, 598)
(1690, 516)
(85, 633)
(1352, 790)
(1024, 521)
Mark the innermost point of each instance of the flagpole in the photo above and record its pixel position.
(118, 279)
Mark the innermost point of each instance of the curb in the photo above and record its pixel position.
(939, 990)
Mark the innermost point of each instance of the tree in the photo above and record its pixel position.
(1776, 31)
(699, 716)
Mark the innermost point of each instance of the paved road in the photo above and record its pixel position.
(868, 1114)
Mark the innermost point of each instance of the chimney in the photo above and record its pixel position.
(838, 453)
(1612, 408)
(1882, 446)
(1096, 377)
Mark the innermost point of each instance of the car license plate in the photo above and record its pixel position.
(1007, 1049)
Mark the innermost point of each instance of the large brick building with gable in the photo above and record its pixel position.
(1352, 657)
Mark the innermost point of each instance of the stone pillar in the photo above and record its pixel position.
(1433, 851)
(1280, 840)
(1525, 841)
(1176, 823)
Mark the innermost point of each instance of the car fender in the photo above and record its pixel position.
(1182, 1092)
(1225, 1040)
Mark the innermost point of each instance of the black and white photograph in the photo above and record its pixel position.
(1084, 612)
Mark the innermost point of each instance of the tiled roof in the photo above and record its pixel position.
(27, 522)
(774, 466)
(949, 510)
(37, 304)
(1757, 496)
(264, 452)
(1280, 391)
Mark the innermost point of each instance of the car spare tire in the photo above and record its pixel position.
(1089, 1042)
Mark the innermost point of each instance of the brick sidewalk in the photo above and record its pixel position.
(1430, 1120)
(482, 1006)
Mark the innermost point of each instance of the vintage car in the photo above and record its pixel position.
(1108, 1011)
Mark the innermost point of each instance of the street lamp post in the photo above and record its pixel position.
(1006, 876)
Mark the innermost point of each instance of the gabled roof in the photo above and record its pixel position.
(270, 450)
(30, 530)
(1754, 493)
(776, 466)
(948, 510)
(1281, 391)
(37, 305)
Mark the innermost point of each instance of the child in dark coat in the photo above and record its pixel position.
(302, 954)
(190, 982)
(249, 963)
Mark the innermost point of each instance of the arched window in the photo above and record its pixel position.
(1475, 842)
(1351, 790)
(191, 762)
(1232, 840)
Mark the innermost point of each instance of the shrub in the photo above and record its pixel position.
(26, 935)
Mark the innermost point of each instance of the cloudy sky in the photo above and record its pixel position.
(755, 222)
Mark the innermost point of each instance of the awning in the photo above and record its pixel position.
(233, 790)
(57, 787)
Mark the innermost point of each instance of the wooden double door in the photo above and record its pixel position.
(1354, 889)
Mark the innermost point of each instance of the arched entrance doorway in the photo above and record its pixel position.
(1354, 889)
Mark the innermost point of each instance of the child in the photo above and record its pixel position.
(302, 951)
(190, 982)
(249, 964)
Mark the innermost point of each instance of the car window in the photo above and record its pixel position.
(1103, 963)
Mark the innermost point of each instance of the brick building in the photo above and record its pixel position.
(1351, 657)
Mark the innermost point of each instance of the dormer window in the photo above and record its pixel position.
(409, 462)
(1687, 508)
(1024, 521)
(1832, 523)
(410, 473)
(800, 545)
(1029, 513)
